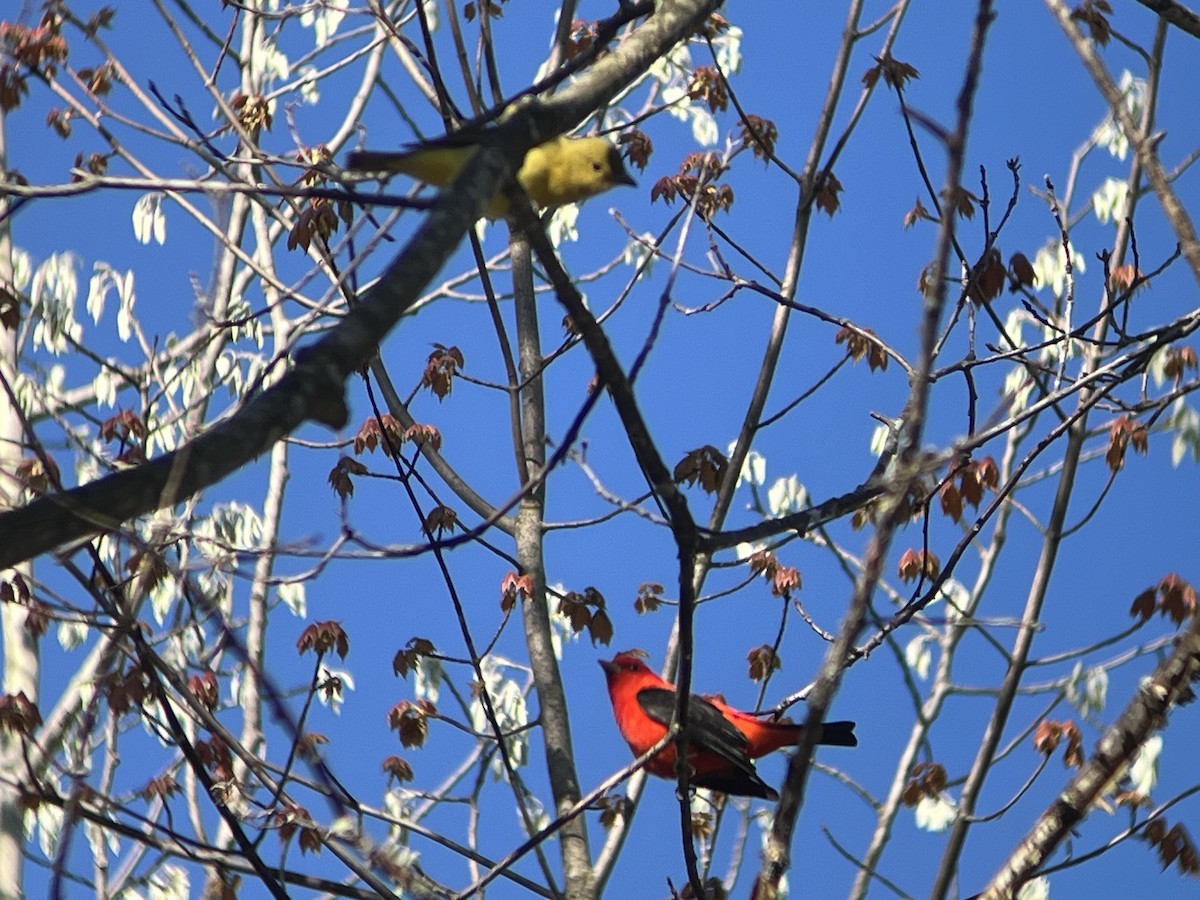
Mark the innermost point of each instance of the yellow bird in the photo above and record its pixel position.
(562, 170)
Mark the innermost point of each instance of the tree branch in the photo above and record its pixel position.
(1170, 685)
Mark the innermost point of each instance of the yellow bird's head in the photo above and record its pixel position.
(567, 170)
(607, 169)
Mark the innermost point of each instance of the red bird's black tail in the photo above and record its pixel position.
(838, 734)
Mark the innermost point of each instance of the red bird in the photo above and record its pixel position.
(722, 740)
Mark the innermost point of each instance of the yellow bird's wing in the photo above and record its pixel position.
(437, 164)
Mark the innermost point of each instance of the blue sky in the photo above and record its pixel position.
(1035, 103)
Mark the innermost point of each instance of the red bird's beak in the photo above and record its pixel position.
(609, 667)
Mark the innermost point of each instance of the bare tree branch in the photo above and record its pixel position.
(1170, 685)
(1175, 14)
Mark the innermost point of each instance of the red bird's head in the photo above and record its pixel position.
(628, 663)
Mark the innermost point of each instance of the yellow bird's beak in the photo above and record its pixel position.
(617, 170)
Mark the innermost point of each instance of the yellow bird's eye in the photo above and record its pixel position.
(596, 167)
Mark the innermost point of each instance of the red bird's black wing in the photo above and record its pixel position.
(709, 731)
